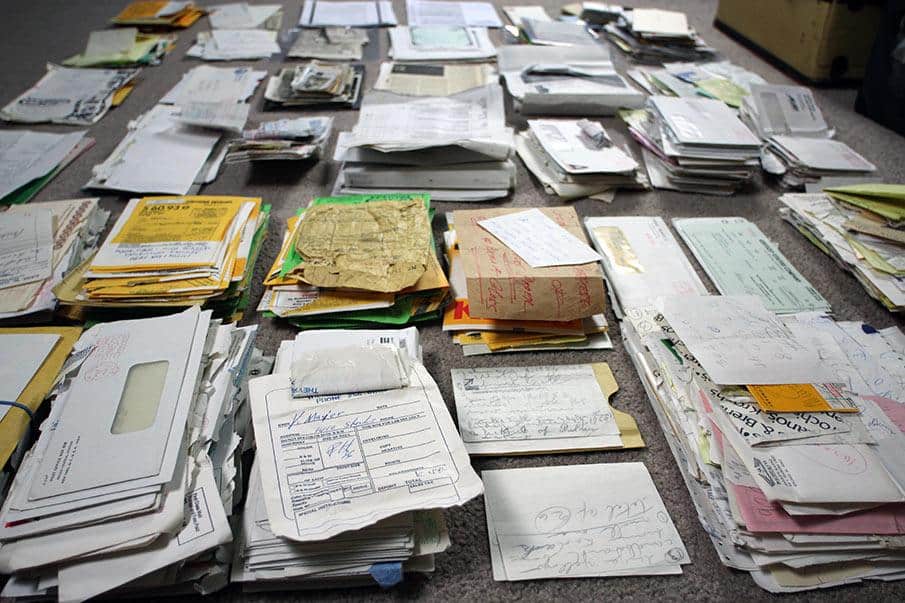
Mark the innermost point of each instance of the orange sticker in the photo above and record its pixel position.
(803, 397)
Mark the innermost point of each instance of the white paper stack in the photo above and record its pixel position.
(29, 160)
(146, 423)
(440, 43)
(571, 164)
(654, 36)
(347, 13)
(694, 145)
(283, 139)
(241, 15)
(234, 45)
(800, 160)
(802, 497)
(565, 80)
(545, 32)
(455, 148)
(316, 83)
(772, 110)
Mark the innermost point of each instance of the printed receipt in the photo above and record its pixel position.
(338, 463)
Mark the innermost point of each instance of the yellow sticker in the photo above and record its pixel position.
(179, 219)
(803, 397)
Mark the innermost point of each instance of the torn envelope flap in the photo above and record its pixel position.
(349, 370)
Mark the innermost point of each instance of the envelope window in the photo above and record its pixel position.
(141, 397)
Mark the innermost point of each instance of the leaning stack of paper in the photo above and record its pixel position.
(575, 159)
(379, 457)
(144, 419)
(523, 281)
(565, 80)
(40, 244)
(694, 145)
(241, 15)
(316, 83)
(329, 44)
(772, 110)
(455, 148)
(650, 35)
(284, 139)
(440, 43)
(859, 226)
(799, 160)
(159, 13)
(74, 97)
(357, 261)
(788, 434)
(122, 47)
(234, 45)
(347, 13)
(30, 159)
(173, 252)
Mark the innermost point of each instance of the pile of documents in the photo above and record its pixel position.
(651, 35)
(343, 13)
(356, 261)
(575, 159)
(380, 458)
(772, 110)
(547, 32)
(316, 83)
(694, 145)
(30, 159)
(159, 13)
(714, 79)
(241, 15)
(174, 252)
(39, 244)
(284, 139)
(418, 79)
(234, 45)
(329, 44)
(788, 433)
(503, 302)
(455, 148)
(122, 47)
(70, 96)
(147, 418)
(428, 13)
(440, 43)
(861, 227)
(565, 80)
(800, 160)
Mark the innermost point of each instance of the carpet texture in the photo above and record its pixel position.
(41, 31)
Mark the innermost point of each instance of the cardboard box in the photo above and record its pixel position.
(502, 285)
(819, 40)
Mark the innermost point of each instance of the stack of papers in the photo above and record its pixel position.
(74, 97)
(173, 252)
(369, 511)
(29, 160)
(316, 83)
(598, 13)
(440, 43)
(788, 434)
(570, 163)
(652, 35)
(241, 15)
(517, 14)
(329, 44)
(565, 80)
(234, 45)
(283, 139)
(347, 13)
(122, 47)
(159, 13)
(537, 319)
(416, 79)
(451, 13)
(694, 145)
(800, 160)
(772, 110)
(455, 148)
(556, 33)
(860, 226)
(40, 244)
(714, 79)
(357, 261)
(154, 407)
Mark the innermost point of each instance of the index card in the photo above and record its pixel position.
(26, 247)
(539, 240)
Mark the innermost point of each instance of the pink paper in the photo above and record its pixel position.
(895, 411)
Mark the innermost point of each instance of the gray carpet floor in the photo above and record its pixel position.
(35, 32)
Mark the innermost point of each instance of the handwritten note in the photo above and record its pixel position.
(539, 240)
(579, 521)
(509, 410)
(26, 247)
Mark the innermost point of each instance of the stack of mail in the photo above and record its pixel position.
(546, 32)
(451, 12)
(575, 159)
(772, 110)
(316, 83)
(565, 80)
(39, 245)
(579, 290)
(29, 160)
(146, 417)
(122, 47)
(440, 43)
(74, 97)
(714, 79)
(653, 36)
(860, 226)
(159, 13)
(788, 434)
(241, 15)
(418, 79)
(329, 44)
(357, 261)
(381, 457)
(455, 148)
(347, 13)
(800, 160)
(173, 252)
(284, 139)
(234, 45)
(694, 145)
